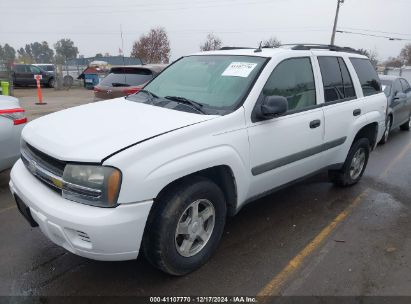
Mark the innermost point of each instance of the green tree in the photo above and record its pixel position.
(98, 55)
(7, 54)
(65, 49)
(24, 56)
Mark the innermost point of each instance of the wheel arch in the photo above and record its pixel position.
(369, 131)
(222, 175)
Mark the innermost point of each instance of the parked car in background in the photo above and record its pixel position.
(126, 80)
(398, 92)
(48, 67)
(213, 132)
(23, 75)
(12, 121)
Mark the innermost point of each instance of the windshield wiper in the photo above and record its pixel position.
(151, 96)
(194, 104)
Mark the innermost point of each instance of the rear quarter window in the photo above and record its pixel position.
(370, 82)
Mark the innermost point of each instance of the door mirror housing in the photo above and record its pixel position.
(400, 95)
(272, 106)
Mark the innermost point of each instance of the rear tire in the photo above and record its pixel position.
(51, 83)
(179, 240)
(354, 165)
(406, 126)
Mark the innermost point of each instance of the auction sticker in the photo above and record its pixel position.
(239, 69)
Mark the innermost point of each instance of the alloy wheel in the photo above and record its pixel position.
(195, 227)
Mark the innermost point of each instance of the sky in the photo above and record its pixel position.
(94, 25)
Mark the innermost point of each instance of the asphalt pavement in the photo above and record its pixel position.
(309, 239)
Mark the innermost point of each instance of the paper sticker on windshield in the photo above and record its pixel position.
(239, 69)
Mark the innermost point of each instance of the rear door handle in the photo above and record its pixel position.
(356, 112)
(315, 124)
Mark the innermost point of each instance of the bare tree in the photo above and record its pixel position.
(212, 43)
(372, 55)
(393, 62)
(405, 54)
(272, 42)
(154, 47)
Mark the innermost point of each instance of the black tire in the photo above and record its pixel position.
(159, 241)
(51, 83)
(387, 131)
(343, 177)
(406, 126)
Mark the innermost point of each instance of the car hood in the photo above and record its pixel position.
(91, 132)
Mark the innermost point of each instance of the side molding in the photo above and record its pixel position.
(297, 156)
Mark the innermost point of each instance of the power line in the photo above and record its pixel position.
(375, 31)
(372, 35)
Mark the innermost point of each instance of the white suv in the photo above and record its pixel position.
(162, 169)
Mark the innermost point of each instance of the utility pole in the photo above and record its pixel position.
(336, 21)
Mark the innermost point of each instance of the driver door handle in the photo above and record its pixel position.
(315, 124)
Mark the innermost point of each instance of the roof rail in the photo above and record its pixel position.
(329, 47)
(228, 48)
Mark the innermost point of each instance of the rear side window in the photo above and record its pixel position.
(369, 79)
(126, 77)
(349, 91)
(405, 86)
(294, 80)
(336, 79)
(397, 86)
(20, 68)
(34, 69)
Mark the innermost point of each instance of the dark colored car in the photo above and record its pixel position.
(398, 92)
(23, 75)
(127, 80)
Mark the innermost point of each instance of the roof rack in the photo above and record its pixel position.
(302, 46)
(329, 47)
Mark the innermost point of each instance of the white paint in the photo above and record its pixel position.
(173, 144)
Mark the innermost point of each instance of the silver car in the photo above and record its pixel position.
(12, 121)
(398, 92)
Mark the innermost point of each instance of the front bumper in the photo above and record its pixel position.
(109, 234)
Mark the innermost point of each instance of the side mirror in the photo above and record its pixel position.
(272, 106)
(400, 95)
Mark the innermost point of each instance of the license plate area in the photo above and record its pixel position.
(25, 211)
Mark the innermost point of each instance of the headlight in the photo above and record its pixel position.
(91, 185)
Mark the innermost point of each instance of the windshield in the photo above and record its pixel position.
(386, 87)
(127, 79)
(218, 82)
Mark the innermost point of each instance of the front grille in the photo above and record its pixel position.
(44, 167)
(51, 164)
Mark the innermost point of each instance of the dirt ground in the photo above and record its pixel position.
(55, 100)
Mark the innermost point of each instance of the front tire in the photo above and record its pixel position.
(185, 226)
(387, 132)
(354, 165)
